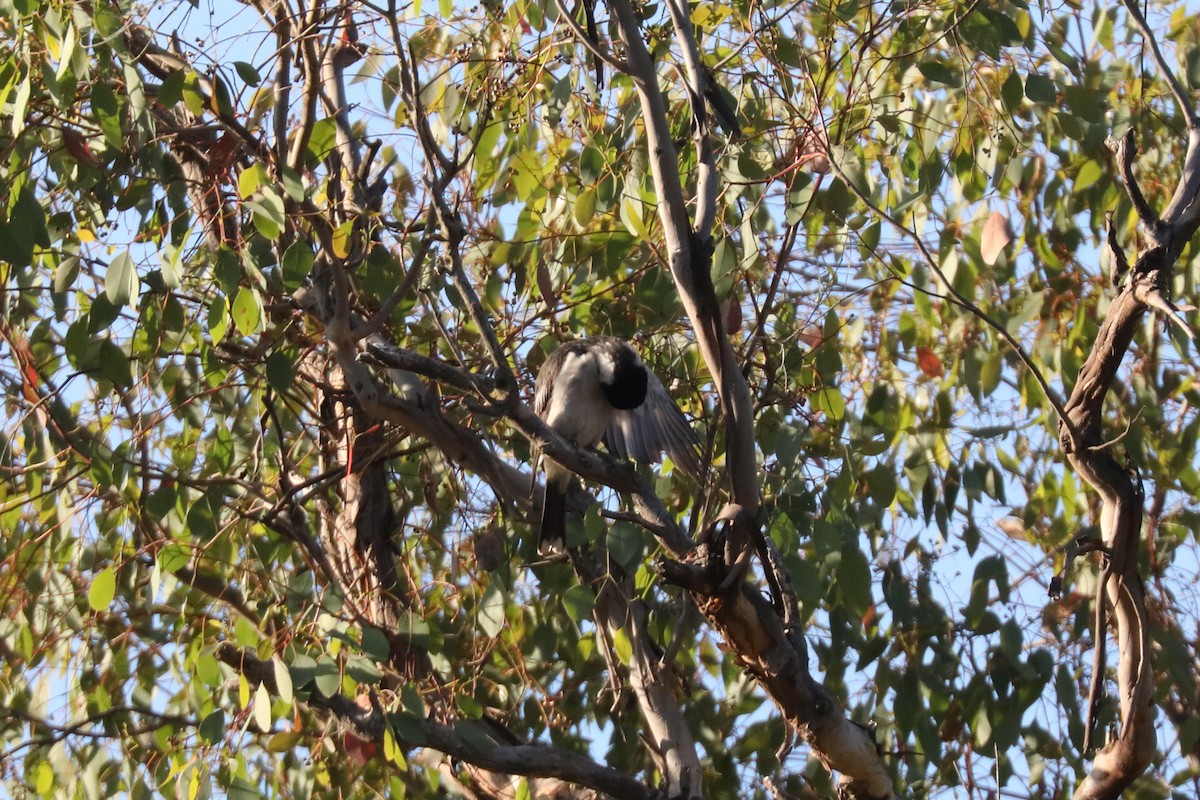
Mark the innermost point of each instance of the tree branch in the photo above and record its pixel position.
(584, 39)
(412, 731)
(961, 301)
(1125, 150)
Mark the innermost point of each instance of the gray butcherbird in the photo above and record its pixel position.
(598, 389)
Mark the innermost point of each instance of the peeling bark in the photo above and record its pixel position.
(765, 637)
(1126, 756)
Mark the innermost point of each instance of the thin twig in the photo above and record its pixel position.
(960, 300)
(582, 37)
(1164, 68)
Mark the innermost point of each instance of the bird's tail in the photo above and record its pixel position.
(552, 538)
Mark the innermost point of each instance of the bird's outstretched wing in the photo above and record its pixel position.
(657, 425)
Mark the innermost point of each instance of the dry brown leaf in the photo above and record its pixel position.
(1012, 527)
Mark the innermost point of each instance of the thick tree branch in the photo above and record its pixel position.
(1120, 587)
(666, 729)
(1125, 151)
(771, 657)
(526, 759)
(776, 654)
(689, 255)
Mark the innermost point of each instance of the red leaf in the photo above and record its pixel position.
(546, 284)
(812, 336)
(871, 617)
(358, 749)
(78, 148)
(929, 363)
(731, 313)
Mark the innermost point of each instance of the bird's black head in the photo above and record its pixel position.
(623, 376)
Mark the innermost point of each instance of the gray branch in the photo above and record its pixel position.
(522, 759)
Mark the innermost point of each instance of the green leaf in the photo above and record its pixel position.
(108, 114)
(830, 401)
(469, 706)
(208, 670)
(854, 578)
(247, 311)
(250, 179)
(362, 669)
(103, 589)
(936, 72)
(375, 644)
(623, 646)
(247, 73)
(303, 670)
(1041, 89)
(121, 280)
(328, 677)
(323, 138)
(24, 231)
(1012, 92)
(171, 90)
(585, 207)
(269, 213)
(625, 543)
(992, 569)
(1089, 173)
(173, 557)
(213, 727)
(579, 601)
(391, 748)
(631, 216)
(297, 264)
(491, 610)
(66, 273)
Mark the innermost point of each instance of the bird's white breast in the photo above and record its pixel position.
(576, 406)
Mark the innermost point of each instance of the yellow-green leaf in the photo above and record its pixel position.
(103, 589)
(341, 239)
(391, 749)
(631, 216)
(623, 647)
(284, 741)
(491, 611)
(45, 778)
(283, 679)
(247, 311)
(585, 207)
(249, 180)
(218, 317)
(1089, 173)
(262, 708)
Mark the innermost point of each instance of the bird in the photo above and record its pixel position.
(598, 389)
